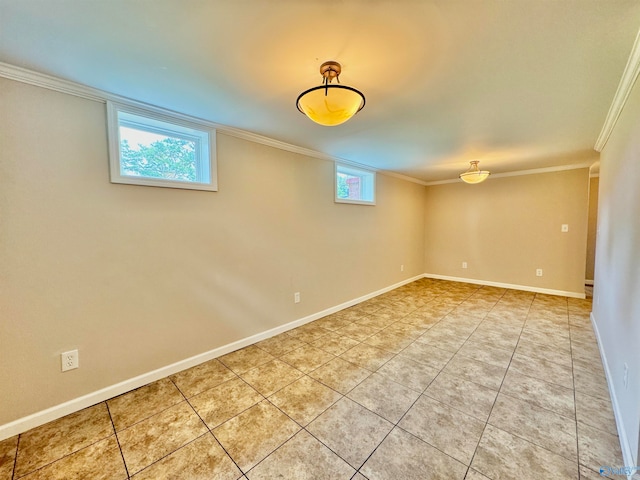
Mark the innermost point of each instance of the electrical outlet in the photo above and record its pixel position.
(564, 228)
(69, 360)
(296, 297)
(464, 264)
(402, 268)
(625, 377)
(538, 272)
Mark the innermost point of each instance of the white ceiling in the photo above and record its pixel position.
(516, 84)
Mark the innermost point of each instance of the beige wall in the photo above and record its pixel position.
(616, 307)
(506, 228)
(138, 278)
(592, 228)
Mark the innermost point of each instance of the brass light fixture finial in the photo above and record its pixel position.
(328, 104)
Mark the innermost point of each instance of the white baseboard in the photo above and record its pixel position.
(40, 418)
(507, 285)
(627, 455)
(588, 282)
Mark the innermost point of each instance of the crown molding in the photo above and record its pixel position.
(629, 76)
(38, 79)
(518, 173)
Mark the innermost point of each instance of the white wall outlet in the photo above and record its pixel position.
(538, 272)
(625, 377)
(402, 268)
(464, 264)
(69, 360)
(296, 297)
(565, 228)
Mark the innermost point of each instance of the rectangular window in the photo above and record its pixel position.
(355, 185)
(154, 148)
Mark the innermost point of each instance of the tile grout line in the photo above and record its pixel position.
(115, 433)
(15, 459)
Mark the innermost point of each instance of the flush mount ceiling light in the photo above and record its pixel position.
(327, 104)
(474, 174)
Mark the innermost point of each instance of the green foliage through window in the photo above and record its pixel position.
(169, 158)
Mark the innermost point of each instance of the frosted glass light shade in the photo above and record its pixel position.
(330, 105)
(474, 174)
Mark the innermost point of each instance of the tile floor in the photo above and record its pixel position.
(432, 380)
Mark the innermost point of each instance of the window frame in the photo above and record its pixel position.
(178, 126)
(347, 169)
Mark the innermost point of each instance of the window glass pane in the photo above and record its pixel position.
(354, 185)
(155, 155)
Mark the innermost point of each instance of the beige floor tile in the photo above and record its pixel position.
(54, 440)
(202, 377)
(405, 330)
(200, 459)
(246, 358)
(305, 399)
(366, 356)
(350, 430)
(340, 375)
(443, 339)
(352, 314)
(503, 456)
(537, 425)
(335, 344)
(542, 370)
(309, 332)
(307, 358)
(486, 353)
(225, 401)
(503, 314)
(473, 475)
(8, 450)
(596, 412)
(368, 307)
(374, 323)
(143, 402)
(597, 448)
(388, 341)
(495, 336)
(591, 382)
(544, 352)
(475, 371)
(271, 377)
(423, 319)
(357, 332)
(280, 344)
(387, 313)
(255, 433)
(543, 394)
(463, 395)
(101, 460)
(383, 396)
(562, 344)
(149, 440)
(403, 456)
(302, 458)
(427, 354)
(332, 322)
(409, 373)
(449, 430)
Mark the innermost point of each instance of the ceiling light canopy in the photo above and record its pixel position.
(474, 174)
(330, 105)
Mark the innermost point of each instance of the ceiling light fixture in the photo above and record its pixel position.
(474, 174)
(327, 104)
